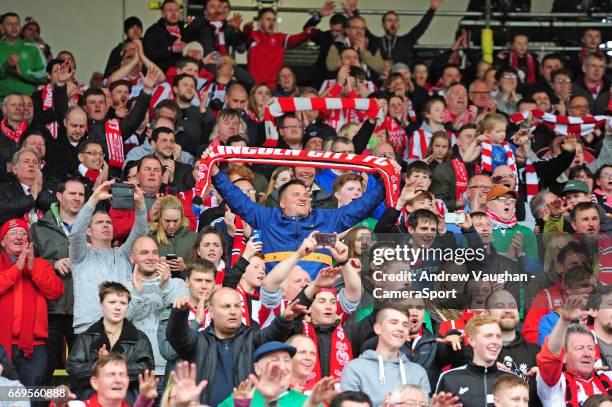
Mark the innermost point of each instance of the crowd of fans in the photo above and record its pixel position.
(231, 298)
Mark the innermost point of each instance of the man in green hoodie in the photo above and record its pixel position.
(22, 65)
(50, 238)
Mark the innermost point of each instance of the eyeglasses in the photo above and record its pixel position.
(505, 199)
(291, 127)
(509, 76)
(248, 191)
(94, 153)
(412, 403)
(563, 81)
(482, 187)
(387, 155)
(605, 175)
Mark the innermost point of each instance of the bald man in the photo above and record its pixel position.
(224, 351)
(153, 291)
(62, 153)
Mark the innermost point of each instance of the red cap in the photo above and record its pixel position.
(12, 224)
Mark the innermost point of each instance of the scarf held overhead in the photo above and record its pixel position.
(300, 158)
(562, 125)
(286, 105)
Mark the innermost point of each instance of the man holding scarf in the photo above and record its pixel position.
(26, 283)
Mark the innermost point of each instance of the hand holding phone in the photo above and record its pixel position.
(325, 239)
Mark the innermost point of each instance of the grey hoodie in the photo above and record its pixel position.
(377, 377)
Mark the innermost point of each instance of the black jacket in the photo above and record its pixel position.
(599, 105)
(7, 147)
(471, 383)
(14, 203)
(157, 41)
(183, 177)
(193, 124)
(200, 347)
(520, 356)
(133, 345)
(51, 243)
(129, 124)
(57, 111)
(399, 48)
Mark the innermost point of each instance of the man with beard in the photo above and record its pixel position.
(50, 239)
(473, 383)
(378, 372)
(175, 174)
(566, 363)
(153, 290)
(193, 119)
(516, 355)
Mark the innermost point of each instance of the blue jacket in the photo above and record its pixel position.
(547, 323)
(282, 235)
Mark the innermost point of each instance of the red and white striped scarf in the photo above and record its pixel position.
(461, 178)
(244, 302)
(286, 105)
(302, 158)
(114, 142)
(499, 223)
(487, 157)
(341, 352)
(174, 30)
(396, 135)
(530, 75)
(238, 244)
(338, 118)
(562, 125)
(219, 36)
(594, 90)
(14, 135)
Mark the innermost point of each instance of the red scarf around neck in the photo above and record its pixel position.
(461, 177)
(341, 352)
(530, 74)
(27, 310)
(14, 135)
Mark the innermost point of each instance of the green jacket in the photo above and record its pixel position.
(51, 243)
(31, 64)
(502, 238)
(179, 244)
(291, 398)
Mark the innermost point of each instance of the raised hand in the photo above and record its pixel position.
(181, 303)
(251, 248)
(147, 384)
(435, 4)
(557, 207)
(150, 80)
(269, 382)
(101, 193)
(327, 277)
(293, 309)
(102, 351)
(30, 256)
(184, 378)
(163, 271)
(569, 143)
(235, 21)
(343, 74)
(327, 9)
(64, 399)
(244, 391)
(443, 399)
(339, 252)
(62, 266)
(139, 198)
(308, 245)
(324, 391)
(21, 259)
(574, 308)
(452, 340)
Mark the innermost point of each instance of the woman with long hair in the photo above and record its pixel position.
(279, 177)
(170, 230)
(209, 244)
(258, 100)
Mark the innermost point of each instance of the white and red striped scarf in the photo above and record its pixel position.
(461, 178)
(487, 158)
(47, 104)
(219, 36)
(594, 90)
(499, 223)
(238, 244)
(286, 105)
(338, 118)
(396, 134)
(562, 125)
(174, 30)
(14, 135)
(530, 75)
(114, 142)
